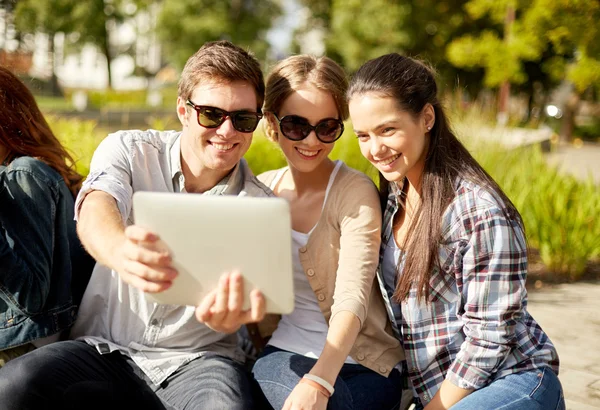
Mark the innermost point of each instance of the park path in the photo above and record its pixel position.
(581, 162)
(570, 315)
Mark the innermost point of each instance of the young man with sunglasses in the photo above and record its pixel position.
(125, 349)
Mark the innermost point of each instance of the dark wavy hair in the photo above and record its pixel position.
(412, 85)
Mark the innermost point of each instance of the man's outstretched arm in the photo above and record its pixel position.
(131, 251)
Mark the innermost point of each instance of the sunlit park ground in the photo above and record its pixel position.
(520, 80)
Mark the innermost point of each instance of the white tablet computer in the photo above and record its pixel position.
(209, 235)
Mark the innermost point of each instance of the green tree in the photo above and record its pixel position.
(92, 20)
(572, 29)
(184, 26)
(356, 32)
(548, 41)
(49, 17)
(95, 22)
(364, 30)
(501, 53)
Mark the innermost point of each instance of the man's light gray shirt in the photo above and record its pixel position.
(116, 316)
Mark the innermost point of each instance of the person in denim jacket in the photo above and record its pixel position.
(454, 257)
(43, 267)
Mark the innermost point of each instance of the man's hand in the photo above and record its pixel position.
(144, 263)
(221, 309)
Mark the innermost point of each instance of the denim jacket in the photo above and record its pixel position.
(40, 254)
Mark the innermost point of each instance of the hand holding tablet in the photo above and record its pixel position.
(208, 236)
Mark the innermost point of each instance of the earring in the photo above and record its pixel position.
(428, 128)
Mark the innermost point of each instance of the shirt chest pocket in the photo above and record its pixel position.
(445, 283)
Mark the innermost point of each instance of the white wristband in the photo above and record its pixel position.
(321, 381)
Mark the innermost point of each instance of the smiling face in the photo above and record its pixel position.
(218, 149)
(314, 105)
(393, 140)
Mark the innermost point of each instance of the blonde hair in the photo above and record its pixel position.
(290, 74)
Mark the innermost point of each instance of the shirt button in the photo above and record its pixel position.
(413, 370)
(383, 369)
(154, 322)
(321, 297)
(426, 397)
(360, 356)
(408, 337)
(310, 272)
(303, 249)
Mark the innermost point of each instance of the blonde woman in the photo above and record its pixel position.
(336, 350)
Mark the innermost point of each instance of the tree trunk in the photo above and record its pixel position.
(568, 120)
(504, 92)
(54, 87)
(106, 51)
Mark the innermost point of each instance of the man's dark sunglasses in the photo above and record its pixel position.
(296, 128)
(212, 117)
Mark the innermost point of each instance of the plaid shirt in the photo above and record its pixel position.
(475, 327)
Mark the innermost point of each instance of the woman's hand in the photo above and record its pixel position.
(305, 397)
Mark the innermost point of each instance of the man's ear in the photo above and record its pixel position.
(182, 112)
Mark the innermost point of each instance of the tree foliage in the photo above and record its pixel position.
(184, 26)
(357, 31)
(561, 36)
(91, 20)
(50, 17)
(364, 30)
(572, 29)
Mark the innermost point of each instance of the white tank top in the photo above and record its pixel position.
(304, 331)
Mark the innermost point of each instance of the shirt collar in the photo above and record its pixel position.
(175, 156)
(233, 183)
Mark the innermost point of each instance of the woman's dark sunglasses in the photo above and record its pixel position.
(212, 117)
(296, 128)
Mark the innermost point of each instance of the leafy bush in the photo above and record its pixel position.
(559, 212)
(79, 137)
(116, 99)
(264, 154)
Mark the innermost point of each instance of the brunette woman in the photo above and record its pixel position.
(454, 256)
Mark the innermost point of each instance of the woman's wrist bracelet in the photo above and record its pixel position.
(316, 386)
(321, 382)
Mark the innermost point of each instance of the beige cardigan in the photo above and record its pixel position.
(340, 261)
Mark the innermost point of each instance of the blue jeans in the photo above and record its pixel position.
(356, 387)
(73, 375)
(537, 389)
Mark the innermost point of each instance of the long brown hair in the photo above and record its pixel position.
(25, 132)
(412, 85)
